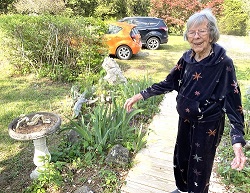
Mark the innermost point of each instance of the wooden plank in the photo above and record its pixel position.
(151, 182)
(158, 172)
(157, 153)
(167, 160)
(133, 187)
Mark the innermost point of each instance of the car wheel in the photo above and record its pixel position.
(153, 43)
(124, 52)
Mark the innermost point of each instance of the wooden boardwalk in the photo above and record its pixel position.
(153, 165)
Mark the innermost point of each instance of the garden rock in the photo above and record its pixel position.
(114, 73)
(73, 136)
(118, 155)
(84, 189)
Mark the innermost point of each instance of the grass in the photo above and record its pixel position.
(155, 63)
(25, 94)
(22, 95)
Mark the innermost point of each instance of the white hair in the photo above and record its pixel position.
(198, 18)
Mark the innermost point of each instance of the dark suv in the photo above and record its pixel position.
(154, 31)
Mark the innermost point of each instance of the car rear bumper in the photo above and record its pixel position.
(164, 40)
(136, 47)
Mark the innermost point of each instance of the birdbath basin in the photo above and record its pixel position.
(36, 127)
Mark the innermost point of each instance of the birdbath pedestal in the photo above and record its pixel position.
(36, 127)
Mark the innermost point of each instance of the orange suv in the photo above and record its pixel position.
(123, 40)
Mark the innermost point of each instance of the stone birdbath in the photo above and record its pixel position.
(36, 127)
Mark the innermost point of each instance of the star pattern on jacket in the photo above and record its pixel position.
(180, 82)
(197, 76)
(229, 68)
(210, 132)
(235, 85)
(196, 172)
(178, 67)
(197, 93)
(187, 110)
(240, 109)
(197, 158)
(197, 144)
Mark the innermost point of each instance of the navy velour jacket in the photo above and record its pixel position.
(207, 90)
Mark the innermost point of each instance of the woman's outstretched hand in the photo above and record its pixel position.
(131, 101)
(239, 160)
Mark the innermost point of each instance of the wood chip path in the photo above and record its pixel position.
(153, 169)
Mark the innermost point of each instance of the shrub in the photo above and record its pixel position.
(176, 12)
(238, 181)
(39, 6)
(105, 124)
(58, 47)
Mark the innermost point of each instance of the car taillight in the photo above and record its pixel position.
(133, 38)
(164, 28)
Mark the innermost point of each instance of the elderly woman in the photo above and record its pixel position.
(205, 80)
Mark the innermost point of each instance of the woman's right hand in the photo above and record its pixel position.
(131, 101)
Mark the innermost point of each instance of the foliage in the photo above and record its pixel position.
(234, 18)
(176, 12)
(58, 47)
(4, 4)
(99, 8)
(39, 6)
(108, 123)
(49, 177)
(82, 7)
(238, 181)
(247, 111)
(119, 8)
(105, 125)
(246, 8)
(110, 181)
(138, 7)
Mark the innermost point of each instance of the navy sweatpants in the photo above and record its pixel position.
(194, 153)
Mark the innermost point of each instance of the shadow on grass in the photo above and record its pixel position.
(20, 95)
(15, 171)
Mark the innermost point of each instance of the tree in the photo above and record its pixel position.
(176, 12)
(39, 6)
(4, 4)
(246, 8)
(84, 8)
(138, 7)
(121, 8)
(234, 19)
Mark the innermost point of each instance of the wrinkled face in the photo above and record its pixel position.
(198, 38)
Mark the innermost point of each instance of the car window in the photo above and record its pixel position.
(113, 29)
(134, 31)
(153, 22)
(141, 22)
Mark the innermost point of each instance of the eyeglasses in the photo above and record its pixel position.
(200, 32)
